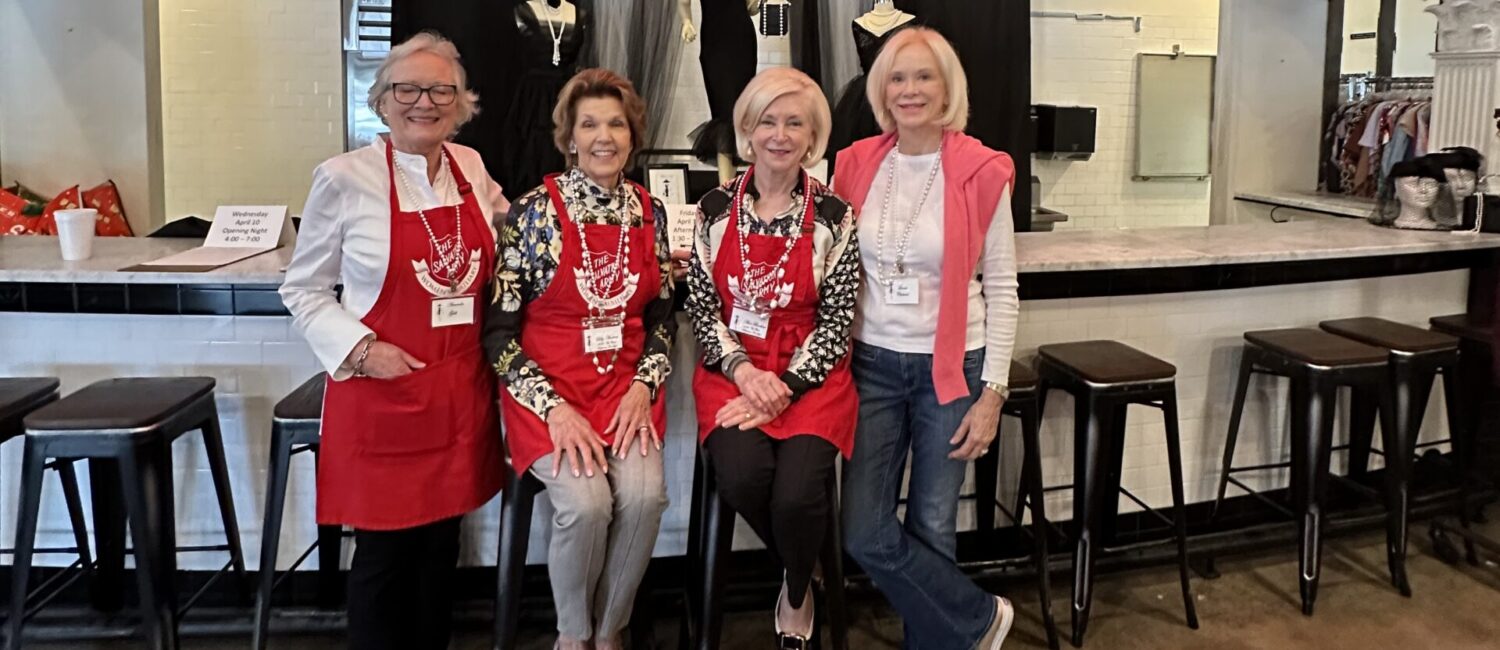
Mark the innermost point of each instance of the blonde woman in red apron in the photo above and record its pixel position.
(580, 331)
(773, 280)
(410, 435)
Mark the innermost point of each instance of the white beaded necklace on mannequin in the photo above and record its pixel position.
(548, 13)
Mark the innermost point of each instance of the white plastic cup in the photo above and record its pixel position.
(75, 232)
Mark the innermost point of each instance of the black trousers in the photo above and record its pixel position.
(401, 587)
(780, 488)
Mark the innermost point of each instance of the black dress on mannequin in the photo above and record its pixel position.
(728, 58)
(853, 119)
(530, 151)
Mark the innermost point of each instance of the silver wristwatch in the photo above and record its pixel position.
(1001, 389)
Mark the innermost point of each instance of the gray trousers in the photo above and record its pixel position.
(601, 539)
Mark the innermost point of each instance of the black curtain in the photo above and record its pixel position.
(485, 33)
(993, 38)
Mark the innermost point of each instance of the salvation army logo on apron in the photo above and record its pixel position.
(441, 277)
(757, 288)
(605, 298)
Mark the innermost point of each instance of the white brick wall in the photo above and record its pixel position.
(252, 100)
(1094, 64)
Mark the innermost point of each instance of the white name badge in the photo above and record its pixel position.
(603, 334)
(448, 312)
(747, 321)
(903, 291)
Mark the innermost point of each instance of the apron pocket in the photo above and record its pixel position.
(409, 415)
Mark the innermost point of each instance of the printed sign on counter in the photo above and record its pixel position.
(238, 232)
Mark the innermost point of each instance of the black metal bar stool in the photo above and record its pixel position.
(516, 504)
(129, 423)
(710, 544)
(1022, 405)
(1318, 364)
(1476, 386)
(1416, 357)
(19, 396)
(296, 427)
(1105, 378)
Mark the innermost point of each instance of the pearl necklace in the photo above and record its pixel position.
(548, 11)
(447, 264)
(755, 288)
(786, 8)
(885, 211)
(597, 295)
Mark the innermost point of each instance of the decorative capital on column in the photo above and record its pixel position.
(1467, 25)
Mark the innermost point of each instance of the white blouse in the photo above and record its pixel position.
(345, 238)
(994, 307)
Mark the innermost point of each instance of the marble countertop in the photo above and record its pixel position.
(1335, 204)
(1325, 238)
(36, 259)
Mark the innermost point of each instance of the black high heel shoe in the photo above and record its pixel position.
(785, 641)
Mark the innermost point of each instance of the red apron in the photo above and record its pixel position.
(552, 333)
(399, 453)
(828, 411)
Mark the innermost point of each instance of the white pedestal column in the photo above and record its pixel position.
(1465, 96)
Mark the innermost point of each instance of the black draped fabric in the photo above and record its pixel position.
(530, 151)
(727, 55)
(993, 38)
(485, 33)
(853, 119)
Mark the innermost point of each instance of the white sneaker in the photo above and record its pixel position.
(1005, 616)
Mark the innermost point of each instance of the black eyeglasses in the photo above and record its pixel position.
(441, 95)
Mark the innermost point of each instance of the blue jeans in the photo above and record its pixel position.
(913, 563)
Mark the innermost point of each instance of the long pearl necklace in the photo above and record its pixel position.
(548, 12)
(756, 287)
(881, 274)
(446, 263)
(604, 292)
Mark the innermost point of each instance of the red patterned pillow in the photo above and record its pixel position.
(106, 199)
(67, 200)
(13, 217)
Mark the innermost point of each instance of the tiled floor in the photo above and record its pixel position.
(1254, 605)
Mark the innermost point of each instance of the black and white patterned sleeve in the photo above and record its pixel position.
(828, 343)
(721, 349)
(524, 255)
(660, 325)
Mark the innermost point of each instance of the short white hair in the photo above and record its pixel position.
(956, 117)
(773, 84)
(433, 42)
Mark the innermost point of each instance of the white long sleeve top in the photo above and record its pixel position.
(345, 238)
(994, 307)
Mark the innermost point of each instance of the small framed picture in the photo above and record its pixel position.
(668, 183)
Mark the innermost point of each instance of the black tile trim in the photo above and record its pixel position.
(153, 299)
(1135, 282)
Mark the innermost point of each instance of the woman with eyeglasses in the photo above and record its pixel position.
(410, 433)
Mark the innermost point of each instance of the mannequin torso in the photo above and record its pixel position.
(553, 32)
(883, 19)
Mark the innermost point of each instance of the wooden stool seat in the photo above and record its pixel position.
(1391, 335)
(1317, 347)
(1465, 327)
(19, 396)
(1107, 362)
(305, 403)
(1022, 377)
(128, 403)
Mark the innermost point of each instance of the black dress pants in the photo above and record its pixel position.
(401, 587)
(780, 487)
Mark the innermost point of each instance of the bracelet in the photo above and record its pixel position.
(359, 364)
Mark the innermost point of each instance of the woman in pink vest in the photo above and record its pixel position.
(932, 337)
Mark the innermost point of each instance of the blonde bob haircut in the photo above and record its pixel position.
(956, 117)
(771, 85)
(433, 42)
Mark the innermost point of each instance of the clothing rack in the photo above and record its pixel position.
(1357, 86)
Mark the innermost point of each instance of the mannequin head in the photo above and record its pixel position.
(781, 121)
(421, 93)
(918, 82)
(1415, 197)
(599, 124)
(1461, 169)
